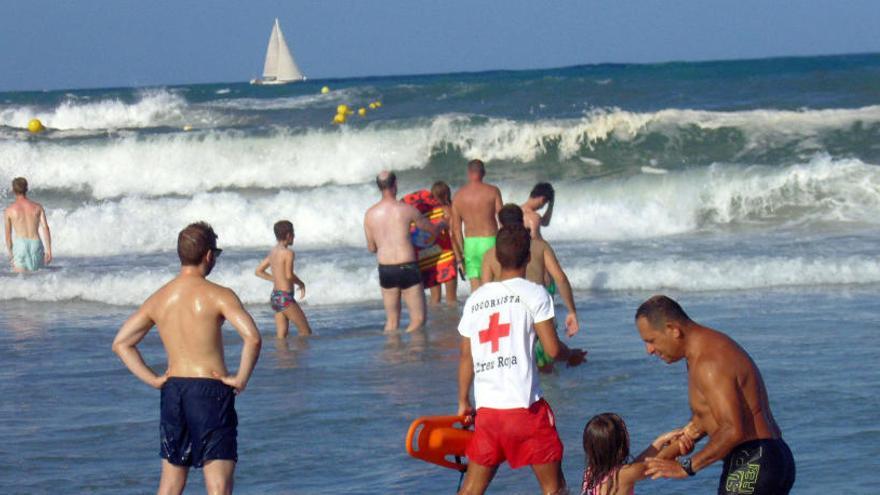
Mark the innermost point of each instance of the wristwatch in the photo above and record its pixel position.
(685, 463)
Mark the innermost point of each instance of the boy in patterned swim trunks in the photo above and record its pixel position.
(280, 261)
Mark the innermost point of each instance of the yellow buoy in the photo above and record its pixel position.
(35, 126)
(325, 90)
(378, 104)
(187, 128)
(342, 109)
(373, 105)
(339, 119)
(362, 112)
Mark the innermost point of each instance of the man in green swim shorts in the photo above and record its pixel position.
(475, 208)
(26, 218)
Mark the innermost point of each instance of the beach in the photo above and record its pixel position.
(747, 190)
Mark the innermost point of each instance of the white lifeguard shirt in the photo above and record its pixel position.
(499, 320)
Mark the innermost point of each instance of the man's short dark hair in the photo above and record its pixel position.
(659, 310)
(386, 180)
(512, 246)
(477, 166)
(19, 185)
(543, 190)
(510, 214)
(282, 229)
(194, 242)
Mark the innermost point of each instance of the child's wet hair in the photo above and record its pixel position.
(606, 445)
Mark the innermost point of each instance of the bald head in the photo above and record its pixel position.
(386, 180)
(660, 310)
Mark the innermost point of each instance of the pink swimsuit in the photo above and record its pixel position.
(597, 490)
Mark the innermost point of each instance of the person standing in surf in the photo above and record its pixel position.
(499, 325)
(542, 265)
(474, 210)
(280, 261)
(542, 195)
(729, 404)
(198, 422)
(26, 218)
(440, 191)
(387, 230)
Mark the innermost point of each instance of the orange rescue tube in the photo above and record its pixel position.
(436, 439)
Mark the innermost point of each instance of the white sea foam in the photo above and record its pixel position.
(187, 163)
(152, 108)
(725, 273)
(357, 280)
(642, 206)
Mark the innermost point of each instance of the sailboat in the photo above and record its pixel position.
(280, 68)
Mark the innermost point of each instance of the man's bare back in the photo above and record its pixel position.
(23, 221)
(476, 204)
(26, 216)
(387, 227)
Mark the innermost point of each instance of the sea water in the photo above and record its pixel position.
(748, 190)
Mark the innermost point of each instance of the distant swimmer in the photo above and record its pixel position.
(198, 423)
(387, 229)
(542, 263)
(728, 400)
(542, 195)
(499, 326)
(475, 205)
(26, 218)
(440, 191)
(280, 261)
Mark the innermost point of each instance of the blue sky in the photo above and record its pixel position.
(73, 44)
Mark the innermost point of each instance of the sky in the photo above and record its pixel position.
(61, 44)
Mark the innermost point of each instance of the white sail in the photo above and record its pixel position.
(279, 66)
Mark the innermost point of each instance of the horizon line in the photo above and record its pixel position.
(459, 72)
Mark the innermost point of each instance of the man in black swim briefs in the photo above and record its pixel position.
(729, 403)
(387, 229)
(198, 425)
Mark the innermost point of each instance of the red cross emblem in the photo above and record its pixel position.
(495, 332)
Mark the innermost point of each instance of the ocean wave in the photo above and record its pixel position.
(639, 207)
(606, 141)
(153, 108)
(725, 273)
(189, 163)
(356, 281)
(327, 283)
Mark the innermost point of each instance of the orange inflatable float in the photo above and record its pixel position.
(437, 439)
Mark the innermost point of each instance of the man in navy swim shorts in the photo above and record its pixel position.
(198, 425)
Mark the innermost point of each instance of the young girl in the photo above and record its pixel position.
(606, 445)
(440, 191)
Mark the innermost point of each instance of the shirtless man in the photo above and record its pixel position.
(542, 194)
(26, 217)
(728, 400)
(475, 205)
(543, 262)
(280, 261)
(387, 229)
(198, 425)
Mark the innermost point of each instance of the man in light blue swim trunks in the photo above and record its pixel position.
(26, 218)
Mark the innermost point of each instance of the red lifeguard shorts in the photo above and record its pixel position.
(522, 437)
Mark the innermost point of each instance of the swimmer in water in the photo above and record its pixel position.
(280, 261)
